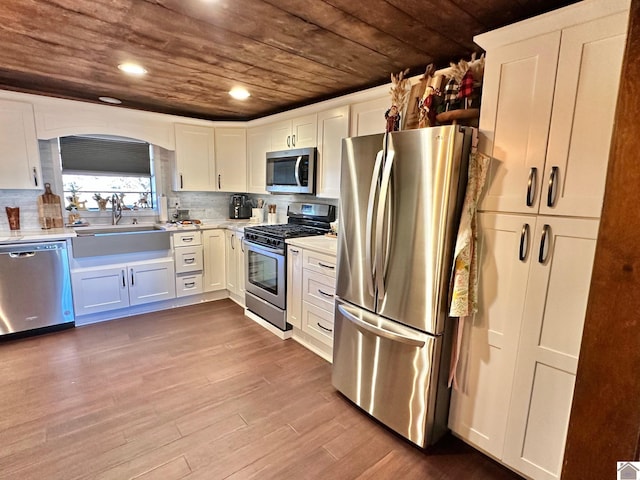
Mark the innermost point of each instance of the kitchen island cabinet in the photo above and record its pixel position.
(20, 160)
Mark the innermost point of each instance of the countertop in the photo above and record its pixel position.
(18, 236)
(319, 243)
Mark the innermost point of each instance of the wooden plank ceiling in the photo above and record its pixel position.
(287, 53)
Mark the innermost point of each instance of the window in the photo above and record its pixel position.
(95, 168)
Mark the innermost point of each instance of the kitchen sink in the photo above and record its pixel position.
(118, 240)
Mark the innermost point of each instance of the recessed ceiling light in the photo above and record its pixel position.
(111, 100)
(239, 93)
(132, 69)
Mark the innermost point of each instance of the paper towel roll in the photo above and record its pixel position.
(162, 209)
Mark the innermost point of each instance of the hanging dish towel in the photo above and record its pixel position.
(464, 294)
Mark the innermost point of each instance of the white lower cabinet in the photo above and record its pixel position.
(213, 243)
(189, 262)
(104, 288)
(310, 298)
(520, 351)
(235, 265)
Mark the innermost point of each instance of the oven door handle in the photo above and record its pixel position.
(261, 248)
(297, 172)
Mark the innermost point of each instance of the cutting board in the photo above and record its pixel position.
(50, 209)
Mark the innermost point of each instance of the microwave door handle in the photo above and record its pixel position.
(298, 161)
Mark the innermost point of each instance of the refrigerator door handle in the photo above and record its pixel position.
(379, 332)
(381, 259)
(373, 191)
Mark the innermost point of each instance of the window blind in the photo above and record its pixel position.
(98, 155)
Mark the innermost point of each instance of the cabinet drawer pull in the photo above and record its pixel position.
(190, 285)
(187, 239)
(543, 243)
(324, 328)
(524, 242)
(551, 193)
(293, 250)
(189, 260)
(330, 267)
(328, 295)
(531, 186)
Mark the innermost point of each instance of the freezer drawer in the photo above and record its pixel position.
(391, 372)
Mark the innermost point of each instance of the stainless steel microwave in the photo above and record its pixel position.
(291, 171)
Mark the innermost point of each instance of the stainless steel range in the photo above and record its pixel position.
(266, 262)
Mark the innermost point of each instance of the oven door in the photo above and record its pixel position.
(265, 274)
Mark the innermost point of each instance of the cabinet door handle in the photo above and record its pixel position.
(133, 281)
(330, 267)
(242, 246)
(551, 193)
(232, 243)
(124, 279)
(524, 242)
(288, 140)
(543, 243)
(181, 182)
(293, 140)
(35, 176)
(324, 328)
(293, 250)
(325, 293)
(219, 187)
(531, 186)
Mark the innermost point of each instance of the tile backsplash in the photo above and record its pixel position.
(201, 205)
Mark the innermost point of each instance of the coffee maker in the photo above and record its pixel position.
(240, 206)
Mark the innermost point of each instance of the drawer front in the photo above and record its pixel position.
(185, 239)
(188, 285)
(319, 262)
(318, 289)
(318, 323)
(188, 259)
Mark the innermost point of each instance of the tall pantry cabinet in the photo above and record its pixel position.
(548, 104)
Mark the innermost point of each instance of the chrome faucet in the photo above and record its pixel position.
(116, 209)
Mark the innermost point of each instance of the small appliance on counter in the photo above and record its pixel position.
(240, 207)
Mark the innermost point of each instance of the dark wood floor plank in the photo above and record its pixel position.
(195, 393)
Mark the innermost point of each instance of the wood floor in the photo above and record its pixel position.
(195, 393)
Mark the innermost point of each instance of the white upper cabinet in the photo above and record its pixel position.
(333, 126)
(582, 121)
(20, 159)
(552, 163)
(258, 144)
(231, 159)
(297, 133)
(195, 160)
(514, 120)
(367, 117)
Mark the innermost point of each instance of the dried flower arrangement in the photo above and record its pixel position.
(400, 89)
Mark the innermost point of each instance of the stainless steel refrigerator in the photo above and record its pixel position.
(400, 201)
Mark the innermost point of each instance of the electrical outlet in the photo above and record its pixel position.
(174, 202)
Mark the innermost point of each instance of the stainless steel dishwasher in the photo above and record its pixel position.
(35, 287)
